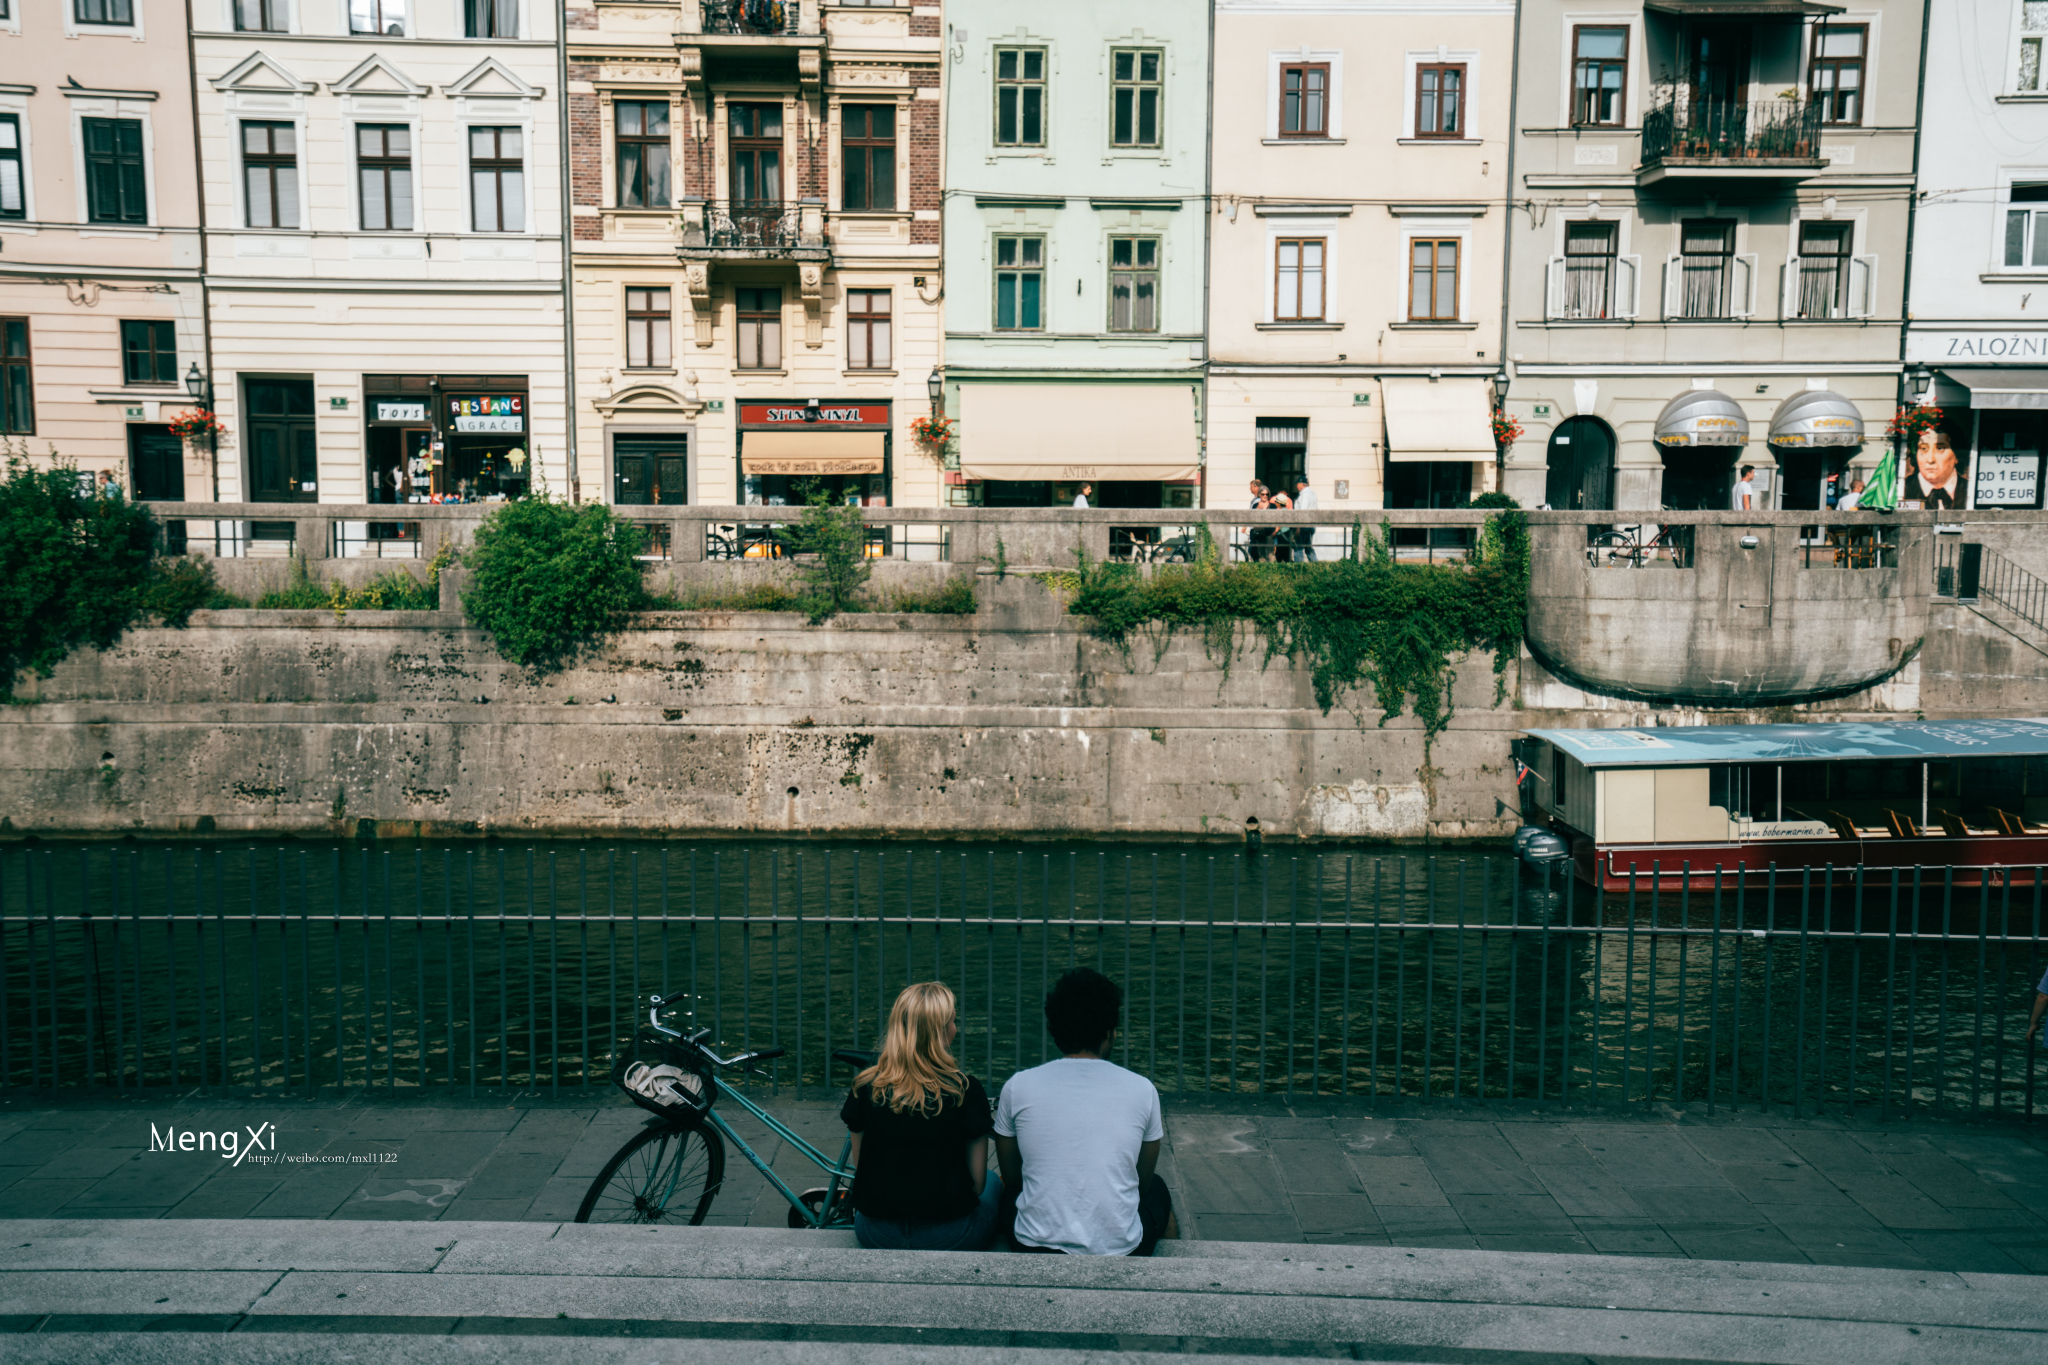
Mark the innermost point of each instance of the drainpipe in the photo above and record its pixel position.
(1507, 240)
(205, 299)
(568, 252)
(1912, 209)
(1208, 235)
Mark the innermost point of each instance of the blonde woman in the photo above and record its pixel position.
(920, 1136)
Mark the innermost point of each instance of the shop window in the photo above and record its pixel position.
(17, 408)
(497, 179)
(1429, 483)
(385, 17)
(1020, 284)
(1134, 284)
(1599, 76)
(114, 191)
(2006, 466)
(1706, 263)
(1433, 279)
(1305, 99)
(1020, 97)
(867, 330)
(490, 18)
(650, 471)
(1590, 254)
(1137, 88)
(384, 176)
(1298, 279)
(647, 329)
(1838, 53)
(867, 141)
(756, 149)
(2033, 27)
(1823, 270)
(117, 13)
(759, 316)
(149, 352)
(13, 189)
(2026, 229)
(641, 149)
(270, 174)
(1440, 100)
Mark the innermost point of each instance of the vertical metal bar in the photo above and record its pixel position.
(717, 949)
(1344, 997)
(1458, 994)
(554, 980)
(469, 938)
(419, 958)
(1977, 1024)
(1599, 977)
(1714, 996)
(390, 1024)
(170, 963)
(532, 979)
(583, 967)
(1485, 920)
(799, 935)
(305, 974)
(1827, 957)
(1684, 946)
(1293, 918)
(1315, 999)
(1429, 976)
(1799, 1011)
(774, 960)
(1265, 919)
(1400, 970)
(1628, 978)
(220, 921)
(1650, 987)
(1373, 995)
(255, 993)
(1044, 940)
(1855, 982)
(1891, 998)
(1948, 891)
(1735, 1002)
(1564, 1040)
(117, 1065)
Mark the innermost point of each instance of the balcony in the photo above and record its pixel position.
(742, 230)
(1694, 139)
(758, 18)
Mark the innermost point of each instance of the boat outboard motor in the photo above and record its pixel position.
(1538, 847)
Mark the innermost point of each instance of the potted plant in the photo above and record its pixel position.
(196, 425)
(934, 433)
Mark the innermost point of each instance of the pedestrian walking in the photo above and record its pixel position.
(1259, 539)
(1745, 489)
(1283, 536)
(1304, 536)
(1081, 498)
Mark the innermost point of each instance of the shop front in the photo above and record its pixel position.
(1987, 452)
(446, 438)
(1699, 434)
(791, 451)
(1814, 436)
(1439, 442)
(1042, 445)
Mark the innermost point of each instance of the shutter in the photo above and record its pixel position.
(1628, 286)
(1788, 289)
(1862, 286)
(1742, 288)
(1553, 305)
(1674, 303)
(134, 196)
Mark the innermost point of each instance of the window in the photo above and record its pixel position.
(270, 172)
(1134, 284)
(490, 18)
(1136, 76)
(17, 412)
(1440, 100)
(1706, 253)
(1589, 263)
(1020, 97)
(1838, 71)
(647, 329)
(868, 143)
(2026, 229)
(760, 322)
(384, 174)
(117, 12)
(1020, 284)
(262, 16)
(1433, 279)
(867, 330)
(149, 352)
(1599, 76)
(642, 148)
(386, 17)
(756, 145)
(1305, 100)
(1298, 279)
(113, 171)
(1823, 270)
(2033, 26)
(497, 179)
(13, 189)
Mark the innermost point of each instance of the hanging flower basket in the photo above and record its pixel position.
(196, 423)
(1506, 430)
(935, 432)
(1909, 421)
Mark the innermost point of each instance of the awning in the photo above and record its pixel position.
(1702, 417)
(1737, 9)
(811, 452)
(2003, 388)
(1438, 419)
(1816, 417)
(1064, 433)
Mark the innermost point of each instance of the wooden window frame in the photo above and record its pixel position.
(96, 211)
(739, 145)
(156, 359)
(1610, 233)
(1019, 85)
(1301, 244)
(873, 151)
(384, 164)
(1018, 270)
(1134, 272)
(1861, 61)
(1441, 68)
(649, 324)
(1620, 119)
(864, 322)
(1322, 128)
(103, 13)
(1436, 246)
(645, 141)
(17, 371)
(497, 167)
(12, 156)
(270, 163)
(1137, 87)
(757, 316)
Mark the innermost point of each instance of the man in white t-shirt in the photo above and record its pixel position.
(1078, 1139)
(1745, 489)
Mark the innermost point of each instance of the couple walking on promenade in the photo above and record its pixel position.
(1076, 1140)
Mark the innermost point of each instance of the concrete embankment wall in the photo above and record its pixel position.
(1014, 721)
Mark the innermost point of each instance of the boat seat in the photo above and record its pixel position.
(2013, 824)
(1844, 827)
(1955, 827)
(1902, 826)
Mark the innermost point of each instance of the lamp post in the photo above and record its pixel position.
(935, 389)
(200, 387)
(1921, 379)
(1501, 380)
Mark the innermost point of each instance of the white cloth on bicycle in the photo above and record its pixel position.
(1079, 1122)
(663, 1084)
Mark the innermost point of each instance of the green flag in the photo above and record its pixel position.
(1881, 490)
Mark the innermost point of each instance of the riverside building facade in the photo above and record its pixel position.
(756, 250)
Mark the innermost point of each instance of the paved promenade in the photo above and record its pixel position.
(1658, 1182)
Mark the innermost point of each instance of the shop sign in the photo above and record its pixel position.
(2008, 478)
(798, 414)
(1936, 348)
(850, 465)
(500, 412)
(401, 412)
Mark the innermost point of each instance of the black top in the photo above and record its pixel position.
(913, 1165)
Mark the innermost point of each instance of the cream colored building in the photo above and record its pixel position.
(1358, 183)
(100, 308)
(756, 252)
(384, 262)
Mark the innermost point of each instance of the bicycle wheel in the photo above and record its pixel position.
(663, 1175)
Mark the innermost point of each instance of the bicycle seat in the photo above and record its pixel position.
(853, 1057)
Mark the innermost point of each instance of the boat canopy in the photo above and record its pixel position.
(1686, 746)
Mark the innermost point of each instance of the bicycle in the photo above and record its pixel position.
(671, 1170)
(1626, 546)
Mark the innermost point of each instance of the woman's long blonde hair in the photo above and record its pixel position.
(916, 1069)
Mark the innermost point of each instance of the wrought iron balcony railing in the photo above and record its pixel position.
(762, 18)
(766, 227)
(1688, 129)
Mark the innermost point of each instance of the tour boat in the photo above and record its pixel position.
(1682, 804)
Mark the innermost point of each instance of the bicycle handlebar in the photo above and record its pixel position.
(696, 1040)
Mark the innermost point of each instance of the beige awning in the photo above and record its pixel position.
(1068, 432)
(1438, 419)
(811, 452)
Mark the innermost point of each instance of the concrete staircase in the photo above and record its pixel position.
(232, 1291)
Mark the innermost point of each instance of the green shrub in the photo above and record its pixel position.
(301, 592)
(1494, 502)
(178, 587)
(549, 580)
(832, 540)
(72, 567)
(760, 597)
(953, 597)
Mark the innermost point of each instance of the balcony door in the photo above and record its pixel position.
(284, 463)
(1720, 65)
(755, 185)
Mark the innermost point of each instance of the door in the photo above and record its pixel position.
(1720, 55)
(756, 186)
(1699, 478)
(1580, 475)
(284, 464)
(156, 464)
(650, 471)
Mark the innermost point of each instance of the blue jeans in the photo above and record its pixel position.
(971, 1232)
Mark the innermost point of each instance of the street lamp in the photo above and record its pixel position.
(195, 383)
(1501, 380)
(935, 388)
(1921, 378)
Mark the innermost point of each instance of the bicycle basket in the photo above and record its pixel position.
(664, 1078)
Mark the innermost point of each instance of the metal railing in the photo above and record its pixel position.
(772, 533)
(768, 18)
(1969, 571)
(375, 540)
(1849, 547)
(1335, 974)
(1690, 129)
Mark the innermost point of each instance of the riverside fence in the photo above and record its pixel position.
(502, 968)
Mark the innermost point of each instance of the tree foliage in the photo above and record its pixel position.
(832, 541)
(72, 567)
(550, 580)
